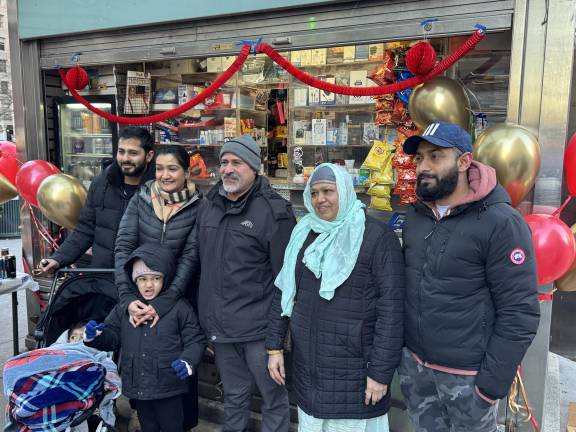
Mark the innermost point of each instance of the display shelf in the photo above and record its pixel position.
(89, 155)
(73, 134)
(335, 108)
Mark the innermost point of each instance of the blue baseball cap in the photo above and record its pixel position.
(441, 134)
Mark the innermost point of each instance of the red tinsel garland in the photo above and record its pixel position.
(263, 47)
(210, 90)
(372, 91)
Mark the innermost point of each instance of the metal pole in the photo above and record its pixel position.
(15, 322)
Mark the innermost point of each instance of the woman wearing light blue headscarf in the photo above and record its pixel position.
(341, 293)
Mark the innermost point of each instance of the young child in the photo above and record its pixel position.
(75, 333)
(155, 362)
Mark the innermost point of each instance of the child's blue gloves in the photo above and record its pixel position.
(182, 368)
(92, 330)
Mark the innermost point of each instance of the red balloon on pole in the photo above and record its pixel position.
(30, 176)
(8, 148)
(554, 246)
(8, 167)
(570, 165)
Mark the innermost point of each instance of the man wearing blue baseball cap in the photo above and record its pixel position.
(471, 307)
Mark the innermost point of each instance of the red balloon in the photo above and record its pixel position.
(570, 165)
(8, 167)
(30, 176)
(554, 246)
(8, 148)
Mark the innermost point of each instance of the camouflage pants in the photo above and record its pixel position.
(443, 402)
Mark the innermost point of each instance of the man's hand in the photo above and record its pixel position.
(48, 264)
(374, 391)
(276, 368)
(141, 313)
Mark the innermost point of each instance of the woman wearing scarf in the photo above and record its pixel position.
(341, 293)
(163, 211)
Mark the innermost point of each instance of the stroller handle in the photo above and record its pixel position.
(82, 270)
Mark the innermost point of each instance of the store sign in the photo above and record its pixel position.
(42, 18)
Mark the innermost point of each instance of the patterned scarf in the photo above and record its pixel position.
(166, 204)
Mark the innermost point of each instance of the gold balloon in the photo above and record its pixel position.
(7, 190)
(514, 153)
(568, 281)
(60, 198)
(439, 99)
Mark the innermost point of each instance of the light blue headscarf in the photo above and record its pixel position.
(333, 254)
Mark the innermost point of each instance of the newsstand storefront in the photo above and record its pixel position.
(521, 72)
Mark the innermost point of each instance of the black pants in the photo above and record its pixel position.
(166, 415)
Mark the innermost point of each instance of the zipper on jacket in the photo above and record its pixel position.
(313, 347)
(430, 234)
(163, 232)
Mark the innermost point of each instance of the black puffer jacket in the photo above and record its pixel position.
(471, 290)
(146, 354)
(99, 220)
(241, 251)
(140, 225)
(336, 344)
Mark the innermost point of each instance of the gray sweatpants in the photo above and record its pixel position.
(443, 402)
(241, 365)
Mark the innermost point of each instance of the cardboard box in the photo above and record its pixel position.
(319, 131)
(313, 96)
(227, 61)
(358, 78)
(300, 97)
(349, 55)
(571, 425)
(376, 52)
(306, 58)
(182, 66)
(214, 64)
(327, 98)
(335, 55)
(318, 57)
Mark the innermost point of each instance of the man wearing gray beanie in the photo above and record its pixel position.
(243, 230)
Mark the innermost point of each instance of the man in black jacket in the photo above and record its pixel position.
(243, 230)
(106, 202)
(471, 307)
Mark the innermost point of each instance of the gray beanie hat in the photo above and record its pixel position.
(246, 149)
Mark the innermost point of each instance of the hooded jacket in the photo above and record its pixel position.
(146, 353)
(471, 289)
(140, 225)
(106, 202)
(241, 248)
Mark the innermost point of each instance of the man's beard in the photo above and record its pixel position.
(444, 187)
(232, 188)
(130, 170)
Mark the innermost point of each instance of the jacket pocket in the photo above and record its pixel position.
(128, 370)
(166, 374)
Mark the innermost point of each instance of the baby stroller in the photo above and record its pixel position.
(59, 385)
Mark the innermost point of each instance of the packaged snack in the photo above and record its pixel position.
(379, 190)
(383, 118)
(379, 203)
(407, 199)
(406, 174)
(398, 111)
(384, 104)
(378, 156)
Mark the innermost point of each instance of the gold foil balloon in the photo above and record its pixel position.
(60, 198)
(568, 281)
(7, 190)
(439, 99)
(514, 153)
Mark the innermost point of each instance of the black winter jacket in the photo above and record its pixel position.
(241, 248)
(140, 225)
(146, 354)
(336, 344)
(471, 289)
(99, 220)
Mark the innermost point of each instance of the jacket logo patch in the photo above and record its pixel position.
(247, 223)
(518, 256)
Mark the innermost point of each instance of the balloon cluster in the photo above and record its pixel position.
(58, 196)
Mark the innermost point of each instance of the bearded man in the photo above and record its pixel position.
(106, 202)
(243, 230)
(471, 307)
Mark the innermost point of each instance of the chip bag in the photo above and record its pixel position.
(378, 157)
(379, 203)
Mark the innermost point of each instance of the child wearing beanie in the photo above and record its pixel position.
(155, 361)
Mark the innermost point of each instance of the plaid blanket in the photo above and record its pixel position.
(47, 389)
